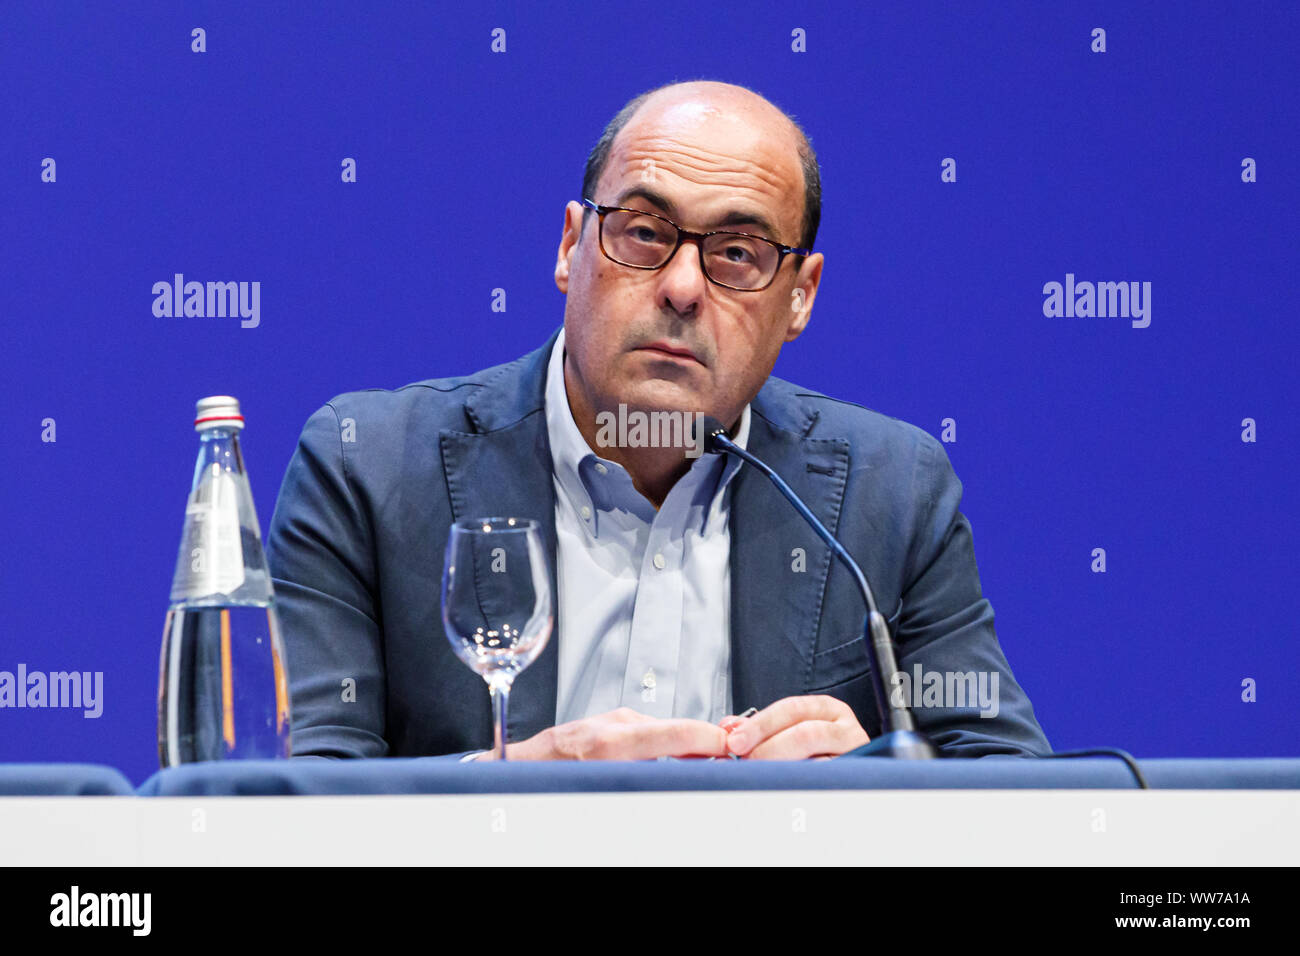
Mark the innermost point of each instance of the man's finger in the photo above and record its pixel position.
(626, 715)
(810, 738)
(664, 738)
(781, 715)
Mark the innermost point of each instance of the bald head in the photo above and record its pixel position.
(749, 119)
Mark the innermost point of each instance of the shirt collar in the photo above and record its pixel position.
(574, 462)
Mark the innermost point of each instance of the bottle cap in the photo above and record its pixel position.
(217, 411)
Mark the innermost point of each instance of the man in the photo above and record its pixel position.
(687, 589)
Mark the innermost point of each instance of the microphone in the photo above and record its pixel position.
(900, 738)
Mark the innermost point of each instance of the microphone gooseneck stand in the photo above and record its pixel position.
(900, 738)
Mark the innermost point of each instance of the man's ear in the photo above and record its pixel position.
(568, 244)
(802, 294)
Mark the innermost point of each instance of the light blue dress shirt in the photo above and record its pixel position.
(645, 596)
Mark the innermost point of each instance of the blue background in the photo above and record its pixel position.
(1072, 433)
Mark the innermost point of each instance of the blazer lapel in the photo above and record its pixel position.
(494, 471)
(779, 567)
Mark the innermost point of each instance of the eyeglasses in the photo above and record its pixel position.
(734, 260)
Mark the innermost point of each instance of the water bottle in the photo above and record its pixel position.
(223, 692)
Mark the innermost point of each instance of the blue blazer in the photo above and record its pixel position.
(356, 555)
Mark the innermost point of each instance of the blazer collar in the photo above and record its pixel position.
(511, 392)
(517, 389)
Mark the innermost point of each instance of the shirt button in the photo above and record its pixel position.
(660, 562)
(601, 469)
(648, 693)
(586, 513)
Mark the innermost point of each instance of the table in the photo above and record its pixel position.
(992, 811)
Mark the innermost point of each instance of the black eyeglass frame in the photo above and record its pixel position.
(684, 235)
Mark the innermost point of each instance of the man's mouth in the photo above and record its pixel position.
(671, 351)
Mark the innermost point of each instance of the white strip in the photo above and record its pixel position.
(911, 828)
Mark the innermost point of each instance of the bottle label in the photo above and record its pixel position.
(212, 552)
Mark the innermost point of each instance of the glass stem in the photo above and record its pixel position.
(500, 699)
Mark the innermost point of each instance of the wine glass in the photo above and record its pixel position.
(496, 603)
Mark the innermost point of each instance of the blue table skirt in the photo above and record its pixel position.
(435, 775)
(62, 780)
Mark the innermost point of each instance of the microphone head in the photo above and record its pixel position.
(709, 429)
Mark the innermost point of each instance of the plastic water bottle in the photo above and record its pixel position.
(223, 692)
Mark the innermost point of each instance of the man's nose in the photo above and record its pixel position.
(682, 283)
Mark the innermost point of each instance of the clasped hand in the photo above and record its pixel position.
(793, 728)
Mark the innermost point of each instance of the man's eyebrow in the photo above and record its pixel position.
(736, 217)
